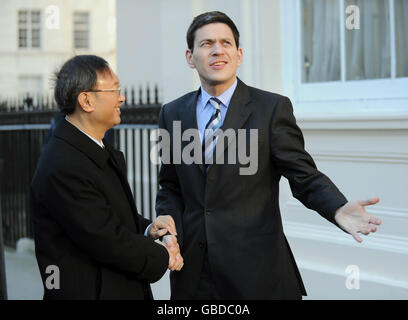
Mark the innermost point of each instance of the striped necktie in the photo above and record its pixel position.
(210, 139)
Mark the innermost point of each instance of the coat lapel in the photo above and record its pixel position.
(72, 135)
(118, 161)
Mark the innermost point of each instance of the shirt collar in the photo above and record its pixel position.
(224, 97)
(99, 143)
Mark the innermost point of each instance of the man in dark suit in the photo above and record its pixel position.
(229, 224)
(89, 237)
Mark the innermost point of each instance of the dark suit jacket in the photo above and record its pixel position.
(238, 216)
(86, 222)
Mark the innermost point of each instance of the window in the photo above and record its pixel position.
(29, 29)
(372, 48)
(401, 37)
(81, 30)
(332, 67)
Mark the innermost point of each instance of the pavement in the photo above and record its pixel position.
(24, 280)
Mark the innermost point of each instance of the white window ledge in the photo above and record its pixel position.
(365, 114)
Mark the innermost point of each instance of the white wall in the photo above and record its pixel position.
(151, 45)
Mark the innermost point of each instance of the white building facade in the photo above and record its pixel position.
(349, 88)
(38, 36)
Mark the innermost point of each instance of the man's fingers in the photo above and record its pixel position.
(356, 237)
(368, 202)
(176, 264)
(179, 263)
(160, 233)
(169, 223)
(165, 222)
(172, 262)
(375, 220)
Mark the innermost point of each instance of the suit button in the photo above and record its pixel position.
(208, 212)
(201, 245)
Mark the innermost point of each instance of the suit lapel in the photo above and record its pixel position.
(188, 117)
(188, 113)
(237, 113)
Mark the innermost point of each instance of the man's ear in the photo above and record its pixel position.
(240, 54)
(85, 103)
(189, 58)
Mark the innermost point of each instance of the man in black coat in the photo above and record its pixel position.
(227, 213)
(90, 241)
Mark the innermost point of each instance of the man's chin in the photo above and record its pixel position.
(215, 81)
(117, 121)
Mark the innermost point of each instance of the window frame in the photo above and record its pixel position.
(29, 27)
(359, 97)
(88, 30)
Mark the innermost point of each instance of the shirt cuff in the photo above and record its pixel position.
(146, 231)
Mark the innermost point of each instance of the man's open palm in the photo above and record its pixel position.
(354, 219)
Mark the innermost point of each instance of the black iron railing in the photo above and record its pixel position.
(3, 284)
(24, 127)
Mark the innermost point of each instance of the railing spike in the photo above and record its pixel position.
(147, 93)
(140, 95)
(133, 95)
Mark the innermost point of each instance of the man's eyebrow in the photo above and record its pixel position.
(214, 40)
(207, 39)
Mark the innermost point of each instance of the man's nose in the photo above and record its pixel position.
(218, 49)
(122, 97)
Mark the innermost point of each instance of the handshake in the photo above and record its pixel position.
(165, 227)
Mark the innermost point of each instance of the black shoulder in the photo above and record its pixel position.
(265, 97)
(175, 104)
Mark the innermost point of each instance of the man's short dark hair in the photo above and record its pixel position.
(78, 74)
(207, 18)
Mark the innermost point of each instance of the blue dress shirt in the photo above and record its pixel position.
(205, 109)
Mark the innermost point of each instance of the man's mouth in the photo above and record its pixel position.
(218, 63)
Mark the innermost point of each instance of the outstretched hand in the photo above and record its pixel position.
(354, 219)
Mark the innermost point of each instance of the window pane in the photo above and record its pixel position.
(368, 53)
(81, 18)
(81, 39)
(35, 38)
(22, 38)
(401, 37)
(320, 40)
(22, 28)
(22, 16)
(35, 16)
(81, 30)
